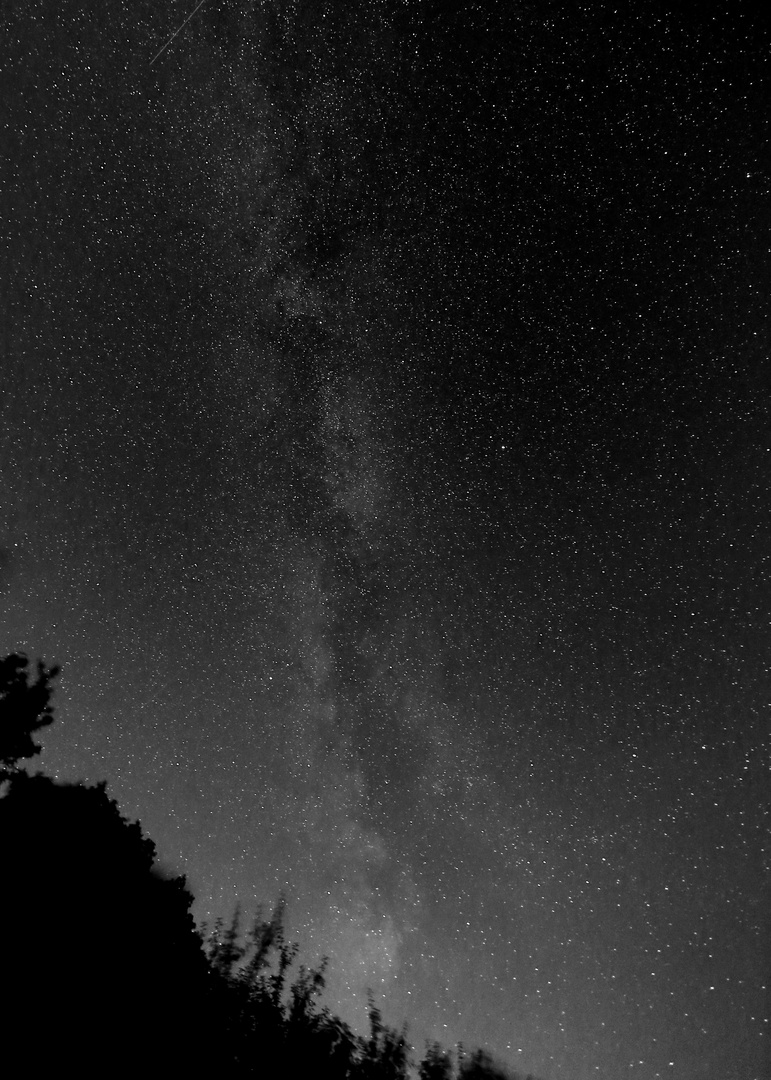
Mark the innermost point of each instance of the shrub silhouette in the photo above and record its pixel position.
(102, 970)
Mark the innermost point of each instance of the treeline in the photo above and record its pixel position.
(104, 971)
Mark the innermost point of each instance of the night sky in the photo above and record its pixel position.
(385, 455)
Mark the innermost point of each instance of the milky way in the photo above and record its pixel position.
(384, 459)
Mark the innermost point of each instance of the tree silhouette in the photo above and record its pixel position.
(101, 949)
(24, 709)
(480, 1066)
(102, 970)
(436, 1065)
(386, 1051)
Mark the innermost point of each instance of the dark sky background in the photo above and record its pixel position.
(385, 458)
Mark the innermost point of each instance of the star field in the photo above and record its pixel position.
(385, 457)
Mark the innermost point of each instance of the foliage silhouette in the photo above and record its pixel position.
(102, 968)
(436, 1065)
(273, 1028)
(24, 709)
(104, 972)
(94, 934)
(480, 1066)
